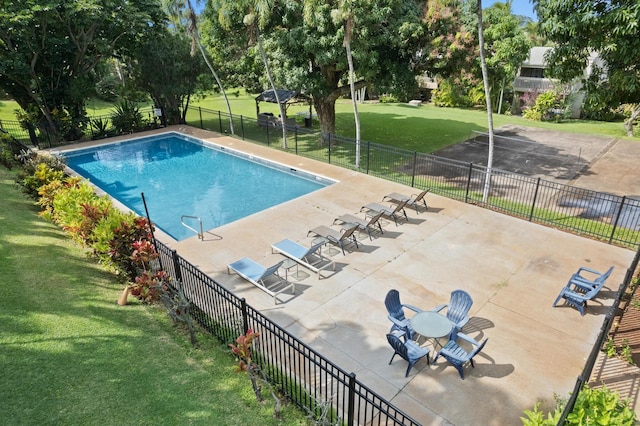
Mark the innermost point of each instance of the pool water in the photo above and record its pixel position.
(180, 176)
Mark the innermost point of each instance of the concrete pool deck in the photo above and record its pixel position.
(513, 269)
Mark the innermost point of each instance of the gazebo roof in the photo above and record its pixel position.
(285, 96)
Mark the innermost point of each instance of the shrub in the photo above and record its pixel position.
(100, 128)
(127, 117)
(593, 406)
(42, 175)
(548, 106)
(7, 157)
(449, 94)
(388, 99)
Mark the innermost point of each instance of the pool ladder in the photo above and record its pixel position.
(201, 233)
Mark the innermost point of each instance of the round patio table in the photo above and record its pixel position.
(431, 325)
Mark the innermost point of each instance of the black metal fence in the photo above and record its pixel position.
(95, 127)
(304, 375)
(607, 217)
(601, 339)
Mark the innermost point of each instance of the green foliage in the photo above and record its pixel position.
(548, 106)
(450, 94)
(126, 117)
(7, 157)
(593, 407)
(42, 174)
(388, 99)
(100, 128)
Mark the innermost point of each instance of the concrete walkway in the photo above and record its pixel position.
(513, 270)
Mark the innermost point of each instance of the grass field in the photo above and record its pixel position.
(424, 129)
(69, 355)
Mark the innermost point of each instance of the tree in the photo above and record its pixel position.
(51, 47)
(257, 14)
(611, 29)
(507, 46)
(305, 43)
(183, 16)
(165, 69)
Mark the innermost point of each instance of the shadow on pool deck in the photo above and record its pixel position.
(513, 269)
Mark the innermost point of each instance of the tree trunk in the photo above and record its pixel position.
(628, 124)
(283, 116)
(326, 110)
(487, 95)
(347, 45)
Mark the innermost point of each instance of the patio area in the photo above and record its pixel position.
(512, 269)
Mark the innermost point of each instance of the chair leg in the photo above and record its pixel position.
(411, 364)
(393, 356)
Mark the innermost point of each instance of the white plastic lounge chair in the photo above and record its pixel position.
(392, 211)
(258, 275)
(309, 257)
(413, 200)
(340, 239)
(368, 225)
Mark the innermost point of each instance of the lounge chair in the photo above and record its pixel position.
(259, 276)
(309, 257)
(392, 211)
(363, 224)
(413, 200)
(328, 235)
(457, 356)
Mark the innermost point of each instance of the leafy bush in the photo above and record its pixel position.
(593, 406)
(42, 175)
(548, 106)
(449, 94)
(388, 99)
(7, 157)
(127, 117)
(100, 128)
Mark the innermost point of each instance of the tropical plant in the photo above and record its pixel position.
(549, 105)
(100, 128)
(593, 407)
(126, 117)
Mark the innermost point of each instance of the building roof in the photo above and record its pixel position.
(536, 57)
(285, 96)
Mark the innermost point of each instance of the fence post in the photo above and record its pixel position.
(368, 155)
(242, 126)
(615, 224)
(352, 398)
(295, 138)
(535, 197)
(329, 150)
(413, 173)
(200, 111)
(219, 122)
(245, 316)
(176, 265)
(267, 127)
(466, 196)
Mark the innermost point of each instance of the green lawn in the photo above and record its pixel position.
(69, 355)
(425, 129)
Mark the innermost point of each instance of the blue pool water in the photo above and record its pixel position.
(184, 176)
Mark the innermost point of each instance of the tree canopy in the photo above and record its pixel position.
(305, 44)
(609, 28)
(50, 49)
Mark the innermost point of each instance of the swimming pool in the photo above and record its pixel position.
(181, 175)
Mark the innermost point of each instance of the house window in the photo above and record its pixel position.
(532, 72)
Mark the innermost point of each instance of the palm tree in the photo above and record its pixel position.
(487, 95)
(342, 13)
(173, 8)
(257, 14)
